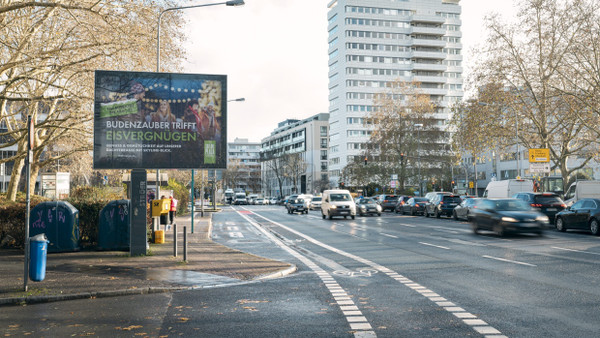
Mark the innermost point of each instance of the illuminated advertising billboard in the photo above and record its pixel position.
(159, 121)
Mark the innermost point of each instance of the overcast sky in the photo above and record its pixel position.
(274, 53)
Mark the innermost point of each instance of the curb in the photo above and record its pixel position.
(278, 274)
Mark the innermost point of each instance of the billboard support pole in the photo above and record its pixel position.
(193, 193)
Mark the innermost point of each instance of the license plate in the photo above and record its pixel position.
(551, 209)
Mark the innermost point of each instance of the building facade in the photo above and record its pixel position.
(373, 43)
(243, 158)
(308, 140)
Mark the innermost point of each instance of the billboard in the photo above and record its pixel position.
(159, 120)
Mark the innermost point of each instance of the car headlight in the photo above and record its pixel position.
(363, 207)
(543, 218)
(378, 207)
(509, 219)
(333, 207)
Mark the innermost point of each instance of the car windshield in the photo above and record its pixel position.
(316, 199)
(419, 200)
(299, 200)
(366, 201)
(340, 197)
(452, 199)
(392, 198)
(511, 205)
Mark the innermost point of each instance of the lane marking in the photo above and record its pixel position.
(388, 235)
(236, 235)
(508, 260)
(573, 250)
(355, 319)
(436, 246)
(404, 224)
(434, 297)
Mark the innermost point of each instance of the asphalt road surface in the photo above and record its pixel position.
(388, 276)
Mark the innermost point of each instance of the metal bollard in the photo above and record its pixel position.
(185, 243)
(175, 239)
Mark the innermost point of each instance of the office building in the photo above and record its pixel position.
(243, 162)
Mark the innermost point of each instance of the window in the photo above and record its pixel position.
(323, 165)
(323, 154)
(323, 130)
(323, 142)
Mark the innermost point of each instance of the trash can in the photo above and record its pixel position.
(38, 249)
(59, 221)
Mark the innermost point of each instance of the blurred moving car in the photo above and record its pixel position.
(368, 206)
(315, 203)
(273, 200)
(507, 215)
(442, 205)
(464, 209)
(415, 206)
(296, 204)
(240, 199)
(307, 198)
(583, 214)
(548, 203)
(388, 202)
(401, 201)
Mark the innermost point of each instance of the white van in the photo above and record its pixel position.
(337, 203)
(582, 189)
(507, 188)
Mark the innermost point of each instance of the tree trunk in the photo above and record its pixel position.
(15, 177)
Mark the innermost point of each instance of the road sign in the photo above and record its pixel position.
(392, 184)
(540, 167)
(539, 155)
(471, 185)
(394, 177)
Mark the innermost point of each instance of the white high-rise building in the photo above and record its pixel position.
(375, 42)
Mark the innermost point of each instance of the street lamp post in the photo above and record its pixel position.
(419, 126)
(227, 3)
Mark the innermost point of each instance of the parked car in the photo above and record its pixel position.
(415, 206)
(507, 215)
(442, 203)
(583, 214)
(337, 203)
(548, 203)
(401, 201)
(260, 201)
(368, 206)
(465, 209)
(388, 202)
(296, 204)
(315, 203)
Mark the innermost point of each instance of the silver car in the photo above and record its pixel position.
(315, 203)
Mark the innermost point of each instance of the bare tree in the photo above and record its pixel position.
(48, 53)
(295, 166)
(276, 167)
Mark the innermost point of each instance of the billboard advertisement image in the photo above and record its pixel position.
(159, 120)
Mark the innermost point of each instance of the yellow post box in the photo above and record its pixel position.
(160, 207)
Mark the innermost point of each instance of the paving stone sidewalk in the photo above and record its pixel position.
(88, 274)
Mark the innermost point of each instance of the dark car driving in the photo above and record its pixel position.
(548, 203)
(583, 214)
(415, 206)
(401, 201)
(508, 215)
(296, 205)
(368, 206)
(388, 202)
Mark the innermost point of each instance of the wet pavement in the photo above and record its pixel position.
(92, 274)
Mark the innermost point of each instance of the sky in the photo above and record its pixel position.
(274, 53)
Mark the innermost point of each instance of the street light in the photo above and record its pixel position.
(419, 126)
(226, 3)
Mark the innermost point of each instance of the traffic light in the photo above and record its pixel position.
(342, 184)
(401, 157)
(366, 160)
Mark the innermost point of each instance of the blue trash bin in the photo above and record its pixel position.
(38, 250)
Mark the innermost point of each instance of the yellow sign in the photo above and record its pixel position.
(471, 185)
(160, 207)
(539, 155)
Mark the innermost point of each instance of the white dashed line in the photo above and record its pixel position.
(478, 325)
(436, 246)
(388, 235)
(508, 260)
(573, 250)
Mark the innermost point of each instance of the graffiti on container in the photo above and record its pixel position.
(39, 223)
(50, 216)
(61, 217)
(122, 212)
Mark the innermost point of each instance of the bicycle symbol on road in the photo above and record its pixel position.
(357, 273)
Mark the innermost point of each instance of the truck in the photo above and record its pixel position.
(229, 196)
(582, 189)
(507, 188)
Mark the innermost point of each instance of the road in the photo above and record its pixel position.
(388, 276)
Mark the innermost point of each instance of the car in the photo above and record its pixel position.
(442, 204)
(296, 204)
(307, 198)
(260, 201)
(337, 202)
(465, 209)
(401, 201)
(273, 200)
(583, 214)
(388, 202)
(368, 206)
(507, 215)
(315, 203)
(547, 203)
(415, 206)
